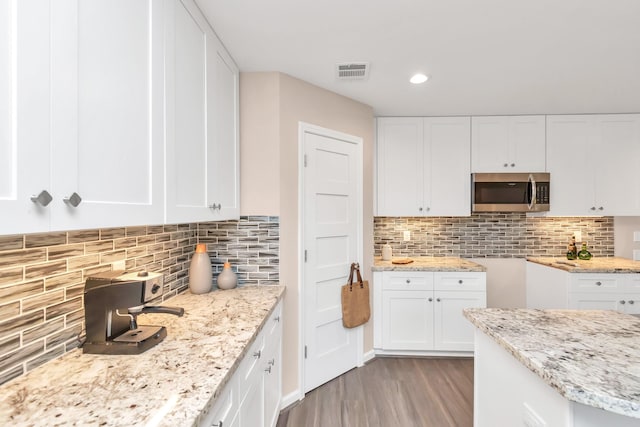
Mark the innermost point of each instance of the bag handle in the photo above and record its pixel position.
(355, 266)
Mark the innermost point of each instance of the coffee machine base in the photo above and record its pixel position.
(134, 341)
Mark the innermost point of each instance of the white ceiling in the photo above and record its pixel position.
(483, 56)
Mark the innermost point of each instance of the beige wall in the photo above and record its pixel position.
(624, 226)
(259, 144)
(299, 101)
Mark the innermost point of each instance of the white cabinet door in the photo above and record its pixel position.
(453, 332)
(107, 105)
(407, 320)
(508, 144)
(615, 164)
(202, 141)
(25, 115)
(400, 179)
(447, 153)
(423, 166)
(570, 144)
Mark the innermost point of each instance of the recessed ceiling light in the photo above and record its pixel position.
(416, 79)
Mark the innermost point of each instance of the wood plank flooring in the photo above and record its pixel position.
(403, 392)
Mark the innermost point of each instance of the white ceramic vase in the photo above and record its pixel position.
(227, 279)
(200, 272)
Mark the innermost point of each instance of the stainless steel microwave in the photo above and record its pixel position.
(510, 192)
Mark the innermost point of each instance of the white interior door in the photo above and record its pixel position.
(332, 218)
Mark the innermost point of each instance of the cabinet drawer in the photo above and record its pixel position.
(595, 282)
(250, 366)
(407, 281)
(460, 281)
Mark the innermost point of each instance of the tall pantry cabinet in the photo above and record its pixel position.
(87, 110)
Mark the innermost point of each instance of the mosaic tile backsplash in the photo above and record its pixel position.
(492, 235)
(42, 276)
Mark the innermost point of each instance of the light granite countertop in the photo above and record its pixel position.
(590, 357)
(168, 385)
(594, 265)
(427, 264)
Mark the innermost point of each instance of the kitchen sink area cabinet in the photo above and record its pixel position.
(592, 163)
(423, 166)
(508, 144)
(202, 120)
(420, 312)
(550, 287)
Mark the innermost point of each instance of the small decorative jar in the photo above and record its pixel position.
(386, 252)
(200, 273)
(227, 279)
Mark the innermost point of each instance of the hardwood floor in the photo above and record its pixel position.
(403, 392)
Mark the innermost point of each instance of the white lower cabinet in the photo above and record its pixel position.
(422, 311)
(549, 287)
(252, 396)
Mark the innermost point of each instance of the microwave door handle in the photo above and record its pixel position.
(532, 201)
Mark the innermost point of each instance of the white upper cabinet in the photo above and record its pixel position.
(508, 144)
(593, 164)
(202, 120)
(423, 166)
(107, 105)
(25, 116)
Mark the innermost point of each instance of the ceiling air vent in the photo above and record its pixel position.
(352, 71)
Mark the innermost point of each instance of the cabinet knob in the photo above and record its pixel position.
(438, 299)
(513, 165)
(506, 165)
(623, 302)
(598, 283)
(428, 208)
(430, 299)
(631, 302)
(214, 207)
(593, 208)
(408, 281)
(73, 200)
(600, 208)
(218, 424)
(420, 209)
(42, 199)
(272, 362)
(268, 369)
(257, 354)
(460, 281)
(276, 319)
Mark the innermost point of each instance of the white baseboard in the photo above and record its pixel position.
(290, 399)
(368, 356)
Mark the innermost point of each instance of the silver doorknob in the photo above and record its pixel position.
(43, 199)
(73, 200)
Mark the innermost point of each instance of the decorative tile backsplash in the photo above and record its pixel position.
(491, 235)
(42, 275)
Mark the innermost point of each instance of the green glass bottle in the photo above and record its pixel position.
(584, 254)
(572, 251)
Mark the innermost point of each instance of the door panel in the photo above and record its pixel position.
(452, 330)
(331, 214)
(408, 320)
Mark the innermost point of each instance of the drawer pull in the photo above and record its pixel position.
(623, 302)
(272, 362)
(218, 424)
(42, 199)
(408, 281)
(257, 354)
(460, 281)
(430, 299)
(631, 302)
(73, 200)
(276, 319)
(268, 369)
(598, 283)
(438, 299)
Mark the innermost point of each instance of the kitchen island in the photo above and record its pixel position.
(556, 368)
(172, 384)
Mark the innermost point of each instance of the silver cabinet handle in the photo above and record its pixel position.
(257, 354)
(631, 302)
(430, 299)
(460, 281)
(73, 200)
(43, 199)
(438, 299)
(598, 283)
(623, 302)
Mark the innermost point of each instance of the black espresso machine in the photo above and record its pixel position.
(113, 301)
